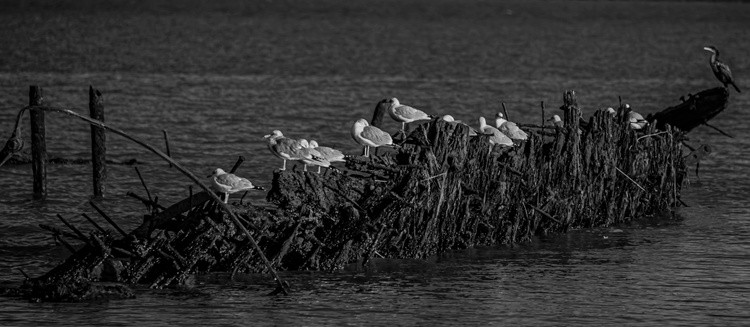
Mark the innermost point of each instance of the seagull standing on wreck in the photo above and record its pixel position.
(369, 136)
(330, 154)
(282, 147)
(497, 136)
(310, 156)
(721, 70)
(405, 114)
(635, 119)
(557, 121)
(509, 128)
(226, 183)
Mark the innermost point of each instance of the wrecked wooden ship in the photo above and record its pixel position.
(441, 190)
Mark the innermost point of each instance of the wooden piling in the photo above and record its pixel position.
(98, 142)
(38, 144)
(377, 116)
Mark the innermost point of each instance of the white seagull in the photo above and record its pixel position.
(282, 147)
(611, 111)
(405, 114)
(330, 154)
(509, 128)
(497, 136)
(557, 121)
(369, 136)
(636, 120)
(310, 156)
(226, 183)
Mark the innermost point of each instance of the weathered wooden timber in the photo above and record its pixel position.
(442, 190)
(695, 110)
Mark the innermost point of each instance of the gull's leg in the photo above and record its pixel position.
(226, 197)
(318, 169)
(403, 127)
(284, 166)
(305, 165)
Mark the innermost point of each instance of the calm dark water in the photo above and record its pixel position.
(219, 76)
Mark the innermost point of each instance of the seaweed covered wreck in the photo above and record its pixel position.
(441, 190)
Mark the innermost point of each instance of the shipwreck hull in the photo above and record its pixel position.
(441, 190)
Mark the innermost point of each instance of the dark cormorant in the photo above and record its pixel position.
(721, 70)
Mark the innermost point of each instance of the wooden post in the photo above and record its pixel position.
(377, 116)
(570, 107)
(38, 144)
(98, 142)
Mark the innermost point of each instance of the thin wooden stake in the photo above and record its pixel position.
(281, 286)
(109, 220)
(630, 179)
(94, 223)
(66, 244)
(237, 164)
(23, 273)
(38, 144)
(98, 142)
(143, 183)
(73, 228)
(166, 142)
(505, 111)
(718, 130)
(543, 120)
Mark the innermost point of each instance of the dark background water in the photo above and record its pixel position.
(219, 75)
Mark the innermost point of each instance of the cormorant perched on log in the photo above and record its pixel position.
(721, 70)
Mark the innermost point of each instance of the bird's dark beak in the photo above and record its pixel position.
(209, 175)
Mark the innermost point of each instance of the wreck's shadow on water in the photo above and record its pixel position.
(205, 69)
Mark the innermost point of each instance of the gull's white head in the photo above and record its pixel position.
(394, 102)
(482, 122)
(313, 144)
(448, 118)
(362, 122)
(217, 172)
(274, 135)
(611, 111)
(499, 120)
(303, 143)
(555, 118)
